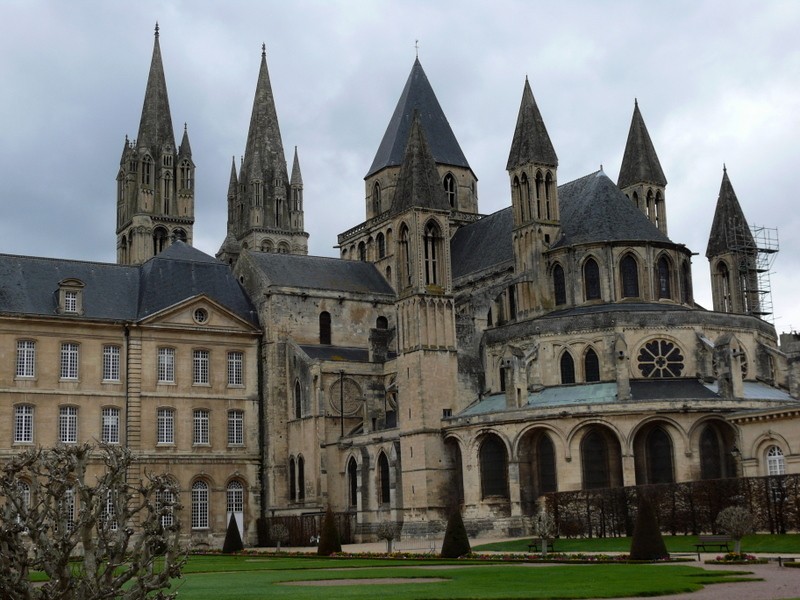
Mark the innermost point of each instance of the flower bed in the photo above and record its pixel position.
(733, 558)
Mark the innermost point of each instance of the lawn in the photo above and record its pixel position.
(789, 543)
(255, 577)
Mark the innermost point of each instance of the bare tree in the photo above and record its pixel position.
(737, 522)
(54, 512)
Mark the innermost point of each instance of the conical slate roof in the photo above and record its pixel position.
(418, 95)
(155, 126)
(531, 143)
(186, 148)
(297, 176)
(640, 163)
(729, 226)
(233, 183)
(418, 181)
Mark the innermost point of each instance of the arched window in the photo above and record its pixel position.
(381, 243)
(686, 281)
(539, 195)
(199, 505)
(292, 481)
(432, 242)
(635, 199)
(301, 478)
(515, 195)
(776, 465)
(179, 234)
(664, 275)
(567, 368)
(726, 304)
(658, 206)
(494, 471)
(404, 279)
(234, 500)
(186, 175)
(376, 198)
(659, 456)
(325, 327)
(548, 196)
(266, 246)
(546, 464)
(648, 203)
(383, 479)
(381, 323)
(450, 189)
(629, 270)
(298, 401)
(559, 285)
(512, 303)
(525, 199)
(159, 239)
(362, 251)
(167, 192)
(594, 459)
(352, 482)
(591, 279)
(715, 460)
(147, 171)
(591, 366)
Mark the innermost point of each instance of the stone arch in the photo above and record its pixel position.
(573, 435)
(767, 439)
(538, 471)
(454, 465)
(601, 457)
(493, 459)
(714, 439)
(654, 454)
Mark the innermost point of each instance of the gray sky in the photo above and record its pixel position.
(717, 82)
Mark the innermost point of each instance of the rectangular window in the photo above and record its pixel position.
(110, 363)
(68, 425)
(235, 428)
(235, 365)
(201, 427)
(26, 358)
(23, 424)
(200, 360)
(69, 361)
(71, 301)
(165, 503)
(110, 425)
(166, 426)
(166, 365)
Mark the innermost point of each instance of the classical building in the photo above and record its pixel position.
(444, 358)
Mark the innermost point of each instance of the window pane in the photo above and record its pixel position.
(200, 359)
(26, 358)
(235, 428)
(166, 365)
(69, 361)
(201, 427)
(111, 363)
(235, 361)
(200, 505)
(110, 425)
(166, 426)
(68, 424)
(23, 424)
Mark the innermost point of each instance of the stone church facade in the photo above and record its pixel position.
(445, 358)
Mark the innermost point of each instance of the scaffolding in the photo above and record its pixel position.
(754, 251)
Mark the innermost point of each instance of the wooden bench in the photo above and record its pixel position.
(534, 545)
(714, 541)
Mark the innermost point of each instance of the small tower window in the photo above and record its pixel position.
(591, 366)
(186, 175)
(362, 252)
(167, 192)
(664, 276)
(658, 206)
(257, 197)
(629, 270)
(515, 197)
(352, 482)
(376, 199)
(179, 234)
(559, 286)
(525, 203)
(726, 304)
(431, 241)
(591, 280)
(147, 171)
(548, 196)
(325, 328)
(450, 190)
(567, 365)
(298, 401)
(159, 239)
(380, 241)
(539, 194)
(686, 287)
(405, 258)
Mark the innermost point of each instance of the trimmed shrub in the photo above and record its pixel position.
(233, 539)
(647, 543)
(456, 542)
(329, 537)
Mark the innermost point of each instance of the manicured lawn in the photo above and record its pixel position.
(754, 544)
(254, 577)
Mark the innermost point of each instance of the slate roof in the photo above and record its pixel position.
(593, 209)
(729, 225)
(418, 95)
(531, 143)
(482, 245)
(670, 389)
(320, 273)
(29, 285)
(640, 162)
(155, 126)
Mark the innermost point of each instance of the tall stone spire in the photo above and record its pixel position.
(531, 143)
(729, 221)
(155, 126)
(297, 177)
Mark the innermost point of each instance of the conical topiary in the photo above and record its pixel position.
(329, 537)
(647, 543)
(233, 540)
(456, 542)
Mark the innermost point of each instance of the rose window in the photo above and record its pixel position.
(660, 358)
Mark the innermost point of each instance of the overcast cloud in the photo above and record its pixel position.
(717, 82)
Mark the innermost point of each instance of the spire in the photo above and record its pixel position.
(531, 144)
(418, 182)
(418, 95)
(233, 185)
(640, 163)
(155, 126)
(297, 177)
(186, 148)
(264, 150)
(729, 222)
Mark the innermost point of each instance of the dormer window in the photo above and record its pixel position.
(70, 297)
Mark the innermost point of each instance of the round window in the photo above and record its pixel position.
(200, 315)
(660, 358)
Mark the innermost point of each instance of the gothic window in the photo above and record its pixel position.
(594, 459)
(362, 252)
(278, 213)
(450, 189)
(292, 481)
(664, 274)
(629, 270)
(567, 366)
(657, 208)
(494, 471)
(648, 203)
(591, 366)
(539, 194)
(658, 451)
(432, 246)
(257, 197)
(660, 359)
(515, 196)
(325, 327)
(546, 464)
(167, 192)
(159, 239)
(298, 401)
(383, 479)
(711, 458)
(635, 199)
(503, 373)
(352, 482)
(525, 200)
(186, 175)
(776, 465)
(405, 258)
(512, 303)
(389, 274)
(725, 287)
(591, 279)
(559, 285)
(686, 280)
(548, 196)
(376, 199)
(380, 241)
(301, 478)
(147, 171)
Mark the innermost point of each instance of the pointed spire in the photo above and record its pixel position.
(531, 143)
(418, 182)
(640, 162)
(155, 126)
(233, 185)
(418, 95)
(186, 148)
(297, 177)
(729, 221)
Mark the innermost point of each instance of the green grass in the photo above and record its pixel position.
(254, 577)
(788, 543)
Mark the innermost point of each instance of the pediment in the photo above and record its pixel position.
(199, 312)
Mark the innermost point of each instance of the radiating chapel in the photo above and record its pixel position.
(445, 358)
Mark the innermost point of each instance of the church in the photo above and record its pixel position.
(445, 359)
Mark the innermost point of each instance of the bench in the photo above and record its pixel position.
(533, 546)
(714, 541)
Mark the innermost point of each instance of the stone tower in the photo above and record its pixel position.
(155, 184)
(732, 255)
(640, 176)
(265, 206)
(532, 167)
